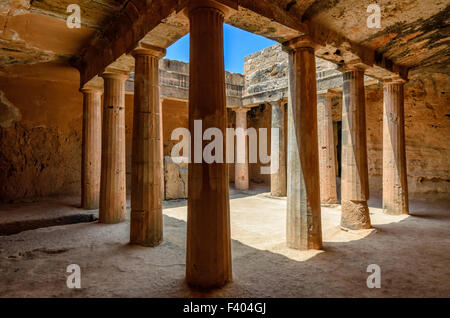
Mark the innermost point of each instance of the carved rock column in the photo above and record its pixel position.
(92, 148)
(355, 177)
(146, 224)
(241, 179)
(303, 192)
(395, 184)
(278, 178)
(208, 250)
(113, 202)
(327, 151)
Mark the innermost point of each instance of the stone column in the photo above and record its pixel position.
(336, 138)
(327, 151)
(241, 180)
(278, 178)
(303, 230)
(92, 148)
(395, 184)
(208, 245)
(113, 202)
(163, 187)
(354, 178)
(146, 222)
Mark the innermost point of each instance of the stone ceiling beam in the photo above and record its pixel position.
(160, 23)
(134, 22)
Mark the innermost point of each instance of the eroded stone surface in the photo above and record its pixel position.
(355, 215)
(9, 114)
(262, 264)
(175, 179)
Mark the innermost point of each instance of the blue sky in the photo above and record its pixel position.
(237, 44)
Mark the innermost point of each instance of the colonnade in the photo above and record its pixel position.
(308, 178)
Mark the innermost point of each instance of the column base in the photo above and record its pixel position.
(301, 245)
(141, 234)
(206, 287)
(90, 206)
(147, 243)
(316, 246)
(241, 187)
(103, 221)
(329, 201)
(394, 210)
(278, 194)
(355, 215)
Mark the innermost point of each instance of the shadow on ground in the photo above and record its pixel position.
(413, 253)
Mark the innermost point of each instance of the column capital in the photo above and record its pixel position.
(276, 103)
(240, 109)
(94, 84)
(394, 80)
(115, 74)
(355, 65)
(226, 7)
(148, 50)
(91, 89)
(302, 42)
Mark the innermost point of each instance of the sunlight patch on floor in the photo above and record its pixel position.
(259, 221)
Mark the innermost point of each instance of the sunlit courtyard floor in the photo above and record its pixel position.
(413, 253)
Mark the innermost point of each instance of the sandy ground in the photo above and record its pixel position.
(412, 251)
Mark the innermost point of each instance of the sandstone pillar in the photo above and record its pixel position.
(336, 138)
(146, 222)
(91, 149)
(395, 185)
(163, 187)
(112, 182)
(278, 178)
(327, 151)
(208, 250)
(354, 179)
(303, 230)
(241, 180)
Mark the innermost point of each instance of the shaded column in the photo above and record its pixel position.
(241, 179)
(112, 182)
(327, 151)
(303, 229)
(163, 187)
(395, 184)
(278, 178)
(91, 148)
(336, 149)
(208, 246)
(146, 223)
(354, 175)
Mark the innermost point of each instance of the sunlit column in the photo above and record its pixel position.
(146, 226)
(303, 229)
(355, 177)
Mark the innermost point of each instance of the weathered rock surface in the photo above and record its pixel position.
(175, 179)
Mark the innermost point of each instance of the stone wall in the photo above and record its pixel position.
(40, 131)
(427, 112)
(174, 83)
(266, 76)
(175, 179)
(41, 119)
(175, 115)
(260, 117)
(427, 131)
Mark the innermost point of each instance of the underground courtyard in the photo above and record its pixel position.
(320, 170)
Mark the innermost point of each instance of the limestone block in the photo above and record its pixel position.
(175, 179)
